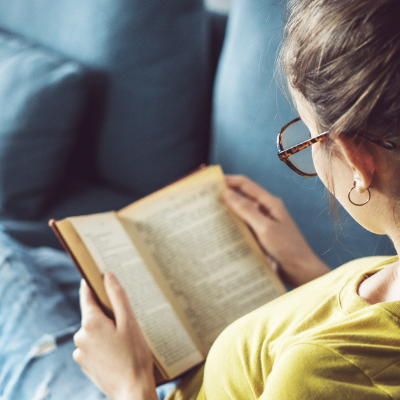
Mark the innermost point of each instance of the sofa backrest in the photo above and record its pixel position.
(151, 78)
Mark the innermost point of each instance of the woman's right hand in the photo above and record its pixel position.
(114, 355)
(277, 233)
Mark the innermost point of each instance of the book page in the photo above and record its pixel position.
(213, 270)
(112, 250)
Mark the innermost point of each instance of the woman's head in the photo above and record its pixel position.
(343, 57)
(342, 61)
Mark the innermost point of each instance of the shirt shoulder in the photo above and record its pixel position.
(244, 355)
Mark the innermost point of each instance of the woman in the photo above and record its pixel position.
(337, 337)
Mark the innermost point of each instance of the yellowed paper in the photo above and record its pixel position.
(203, 256)
(113, 250)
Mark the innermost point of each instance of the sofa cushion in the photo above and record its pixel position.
(157, 57)
(41, 97)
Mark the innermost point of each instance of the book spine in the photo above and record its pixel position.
(106, 310)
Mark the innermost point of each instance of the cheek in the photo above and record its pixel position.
(333, 172)
(321, 164)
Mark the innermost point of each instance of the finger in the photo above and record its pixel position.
(268, 203)
(275, 266)
(77, 355)
(88, 303)
(119, 300)
(76, 338)
(79, 358)
(248, 210)
(251, 189)
(241, 183)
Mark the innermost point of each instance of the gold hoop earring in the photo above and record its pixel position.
(356, 204)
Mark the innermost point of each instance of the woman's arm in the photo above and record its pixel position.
(115, 356)
(277, 233)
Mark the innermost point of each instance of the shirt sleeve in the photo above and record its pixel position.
(311, 371)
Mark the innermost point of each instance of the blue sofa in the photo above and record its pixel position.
(105, 101)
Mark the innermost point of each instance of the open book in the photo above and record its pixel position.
(190, 267)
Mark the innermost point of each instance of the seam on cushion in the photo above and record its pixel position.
(345, 358)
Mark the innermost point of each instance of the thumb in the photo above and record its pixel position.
(119, 300)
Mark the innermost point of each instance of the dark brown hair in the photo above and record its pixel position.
(343, 56)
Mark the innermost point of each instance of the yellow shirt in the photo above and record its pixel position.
(320, 341)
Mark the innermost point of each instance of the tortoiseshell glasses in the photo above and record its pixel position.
(295, 137)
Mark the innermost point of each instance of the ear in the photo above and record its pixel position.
(360, 160)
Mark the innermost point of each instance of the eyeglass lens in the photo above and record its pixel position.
(294, 135)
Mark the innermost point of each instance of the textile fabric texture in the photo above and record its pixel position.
(157, 76)
(41, 97)
(39, 314)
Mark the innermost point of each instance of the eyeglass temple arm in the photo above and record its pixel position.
(285, 154)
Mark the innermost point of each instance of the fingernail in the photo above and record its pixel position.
(111, 277)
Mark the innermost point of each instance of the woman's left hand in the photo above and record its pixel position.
(115, 356)
(278, 235)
